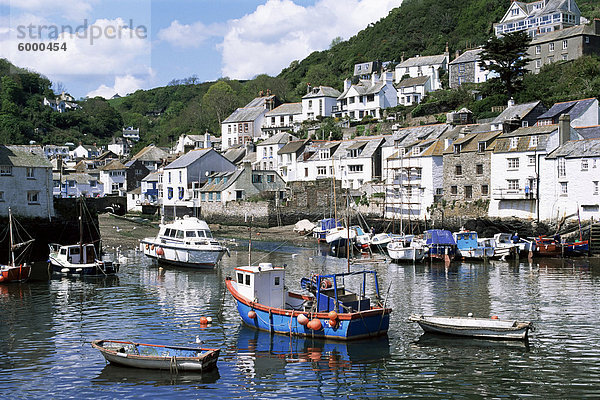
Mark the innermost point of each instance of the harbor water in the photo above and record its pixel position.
(46, 328)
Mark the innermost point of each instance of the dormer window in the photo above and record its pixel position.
(514, 141)
(533, 142)
(514, 12)
(481, 147)
(324, 154)
(457, 148)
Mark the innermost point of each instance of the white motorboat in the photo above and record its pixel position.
(489, 328)
(337, 234)
(469, 247)
(405, 249)
(186, 242)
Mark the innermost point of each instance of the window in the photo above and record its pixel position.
(512, 184)
(479, 169)
(321, 170)
(324, 154)
(551, 47)
(305, 172)
(587, 39)
(458, 170)
(531, 160)
(33, 197)
(513, 163)
(534, 141)
(170, 193)
(218, 196)
(514, 142)
(355, 168)
(595, 189)
(481, 147)
(240, 278)
(2, 194)
(203, 196)
(485, 190)
(454, 190)
(256, 178)
(565, 44)
(270, 178)
(115, 187)
(5, 170)
(538, 63)
(169, 176)
(538, 49)
(210, 196)
(561, 167)
(564, 57)
(564, 190)
(248, 279)
(30, 173)
(514, 12)
(310, 104)
(584, 164)
(181, 193)
(457, 148)
(468, 192)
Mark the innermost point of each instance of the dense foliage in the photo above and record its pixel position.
(186, 105)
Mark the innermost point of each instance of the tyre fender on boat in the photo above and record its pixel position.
(160, 251)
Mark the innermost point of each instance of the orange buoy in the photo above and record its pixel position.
(147, 246)
(333, 323)
(251, 314)
(315, 324)
(302, 319)
(494, 317)
(160, 251)
(326, 284)
(333, 315)
(152, 247)
(203, 320)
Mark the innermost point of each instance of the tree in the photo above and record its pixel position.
(507, 56)
(219, 101)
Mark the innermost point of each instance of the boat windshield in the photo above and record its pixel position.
(179, 234)
(204, 233)
(190, 233)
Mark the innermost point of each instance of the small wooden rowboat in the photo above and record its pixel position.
(156, 356)
(474, 327)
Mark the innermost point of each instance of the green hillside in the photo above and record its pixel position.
(422, 27)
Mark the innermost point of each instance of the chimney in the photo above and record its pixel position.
(207, 144)
(249, 148)
(347, 84)
(374, 78)
(308, 88)
(248, 166)
(447, 143)
(564, 129)
(457, 54)
(511, 102)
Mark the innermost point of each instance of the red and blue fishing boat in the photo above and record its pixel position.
(328, 310)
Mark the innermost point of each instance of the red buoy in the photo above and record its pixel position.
(494, 317)
(333, 315)
(203, 320)
(160, 251)
(315, 324)
(333, 323)
(251, 314)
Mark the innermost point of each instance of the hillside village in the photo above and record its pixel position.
(530, 162)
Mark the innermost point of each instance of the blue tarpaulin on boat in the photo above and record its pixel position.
(439, 236)
(328, 223)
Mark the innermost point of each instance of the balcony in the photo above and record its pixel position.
(513, 194)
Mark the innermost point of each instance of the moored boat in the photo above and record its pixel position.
(489, 328)
(406, 249)
(186, 242)
(15, 271)
(156, 356)
(323, 227)
(440, 244)
(547, 247)
(468, 246)
(331, 311)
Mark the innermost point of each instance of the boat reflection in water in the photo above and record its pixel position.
(259, 351)
(437, 340)
(132, 376)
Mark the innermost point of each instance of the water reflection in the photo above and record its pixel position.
(432, 340)
(115, 374)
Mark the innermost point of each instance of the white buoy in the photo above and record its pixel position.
(470, 314)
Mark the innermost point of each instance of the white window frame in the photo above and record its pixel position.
(564, 188)
(561, 167)
(33, 197)
(550, 46)
(514, 142)
(5, 170)
(565, 44)
(30, 173)
(584, 164)
(512, 184)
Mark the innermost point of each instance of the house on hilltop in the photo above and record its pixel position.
(367, 97)
(468, 67)
(538, 17)
(319, 101)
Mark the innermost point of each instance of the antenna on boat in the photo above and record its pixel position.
(249, 237)
(10, 243)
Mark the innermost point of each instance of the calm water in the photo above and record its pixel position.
(46, 329)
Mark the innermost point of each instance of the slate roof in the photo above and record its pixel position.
(259, 101)
(408, 136)
(422, 61)
(152, 177)
(518, 110)
(231, 176)
(574, 108)
(79, 177)
(279, 138)
(322, 91)
(151, 153)
(285, 109)
(562, 34)
(418, 81)
(502, 144)
(364, 87)
(468, 56)
(19, 157)
(578, 149)
(113, 166)
(188, 158)
(292, 147)
(235, 153)
(369, 147)
(589, 132)
(245, 114)
(470, 142)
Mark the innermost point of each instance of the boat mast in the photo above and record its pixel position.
(12, 250)
(334, 198)
(348, 228)
(80, 230)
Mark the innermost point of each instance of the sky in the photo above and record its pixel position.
(102, 47)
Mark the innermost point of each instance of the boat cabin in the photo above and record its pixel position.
(466, 240)
(332, 295)
(73, 253)
(262, 283)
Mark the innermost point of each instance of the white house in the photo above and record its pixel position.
(120, 146)
(285, 118)
(319, 101)
(77, 184)
(245, 124)
(367, 97)
(287, 159)
(86, 151)
(25, 183)
(412, 90)
(419, 66)
(134, 200)
(518, 115)
(53, 151)
(266, 151)
(538, 17)
(187, 173)
(186, 143)
(316, 161)
(573, 170)
(131, 133)
(113, 176)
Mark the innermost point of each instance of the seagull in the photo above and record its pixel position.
(198, 341)
(294, 255)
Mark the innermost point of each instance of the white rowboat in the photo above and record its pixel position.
(488, 328)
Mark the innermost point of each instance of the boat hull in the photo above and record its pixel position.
(409, 254)
(90, 269)
(349, 326)
(10, 274)
(202, 362)
(203, 257)
(479, 253)
(474, 327)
